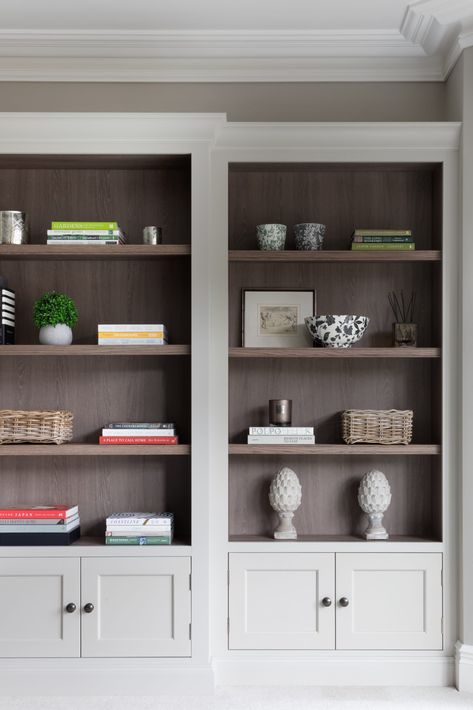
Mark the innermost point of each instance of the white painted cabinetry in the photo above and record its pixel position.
(277, 601)
(141, 607)
(394, 601)
(34, 594)
(375, 601)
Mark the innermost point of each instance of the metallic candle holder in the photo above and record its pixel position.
(152, 235)
(13, 227)
(280, 412)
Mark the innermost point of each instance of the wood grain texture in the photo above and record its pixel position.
(93, 350)
(329, 495)
(334, 353)
(133, 193)
(301, 257)
(101, 485)
(333, 450)
(342, 197)
(47, 252)
(93, 450)
(344, 288)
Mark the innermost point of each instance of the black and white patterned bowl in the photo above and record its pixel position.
(309, 236)
(336, 331)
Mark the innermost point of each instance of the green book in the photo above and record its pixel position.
(84, 225)
(379, 239)
(359, 246)
(138, 540)
(382, 233)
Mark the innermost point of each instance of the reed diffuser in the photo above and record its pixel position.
(404, 328)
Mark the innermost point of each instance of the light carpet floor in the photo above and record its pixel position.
(265, 699)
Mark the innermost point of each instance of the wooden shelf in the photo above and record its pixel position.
(93, 450)
(327, 538)
(345, 255)
(334, 450)
(111, 251)
(92, 350)
(335, 353)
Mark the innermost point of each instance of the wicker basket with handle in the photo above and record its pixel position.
(377, 426)
(35, 427)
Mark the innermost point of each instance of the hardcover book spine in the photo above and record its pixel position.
(131, 327)
(281, 439)
(138, 522)
(139, 529)
(72, 242)
(126, 532)
(137, 540)
(133, 341)
(136, 432)
(38, 513)
(383, 247)
(123, 440)
(281, 431)
(383, 240)
(84, 225)
(87, 233)
(156, 334)
(382, 232)
(142, 425)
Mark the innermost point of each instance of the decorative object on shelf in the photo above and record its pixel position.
(271, 237)
(7, 313)
(85, 233)
(131, 334)
(275, 319)
(35, 427)
(280, 434)
(309, 236)
(404, 328)
(382, 240)
(13, 227)
(152, 235)
(336, 331)
(55, 314)
(285, 496)
(280, 412)
(374, 498)
(139, 529)
(377, 426)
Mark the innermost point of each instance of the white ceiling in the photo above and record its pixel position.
(232, 40)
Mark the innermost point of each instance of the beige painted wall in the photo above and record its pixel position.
(242, 102)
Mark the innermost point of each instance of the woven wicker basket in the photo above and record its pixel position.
(35, 427)
(377, 426)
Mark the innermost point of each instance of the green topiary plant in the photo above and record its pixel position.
(54, 308)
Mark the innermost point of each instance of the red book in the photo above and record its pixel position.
(164, 440)
(39, 512)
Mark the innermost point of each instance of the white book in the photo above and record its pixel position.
(73, 242)
(281, 439)
(142, 529)
(138, 432)
(85, 233)
(141, 532)
(133, 341)
(151, 519)
(281, 431)
(27, 528)
(129, 327)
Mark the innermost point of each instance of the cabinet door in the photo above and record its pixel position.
(275, 601)
(141, 607)
(394, 601)
(34, 594)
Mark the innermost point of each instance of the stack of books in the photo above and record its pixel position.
(125, 334)
(139, 529)
(281, 435)
(85, 233)
(39, 525)
(161, 433)
(384, 239)
(7, 330)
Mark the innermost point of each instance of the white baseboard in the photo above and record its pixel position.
(53, 677)
(410, 671)
(464, 666)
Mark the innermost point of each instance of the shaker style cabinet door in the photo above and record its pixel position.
(281, 601)
(389, 601)
(136, 607)
(39, 607)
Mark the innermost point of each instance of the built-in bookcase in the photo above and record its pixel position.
(322, 383)
(115, 284)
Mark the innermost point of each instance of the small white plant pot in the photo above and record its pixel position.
(59, 334)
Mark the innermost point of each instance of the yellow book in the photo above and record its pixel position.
(127, 334)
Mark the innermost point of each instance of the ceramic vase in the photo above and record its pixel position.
(309, 236)
(285, 495)
(374, 498)
(59, 334)
(271, 237)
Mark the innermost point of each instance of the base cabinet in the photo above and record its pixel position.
(97, 606)
(347, 601)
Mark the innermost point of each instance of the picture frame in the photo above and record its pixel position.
(274, 318)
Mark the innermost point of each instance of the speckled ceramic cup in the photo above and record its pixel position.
(271, 237)
(309, 236)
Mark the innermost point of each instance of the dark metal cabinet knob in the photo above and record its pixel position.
(70, 608)
(88, 608)
(344, 601)
(326, 601)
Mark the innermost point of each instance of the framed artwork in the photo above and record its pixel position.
(275, 319)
